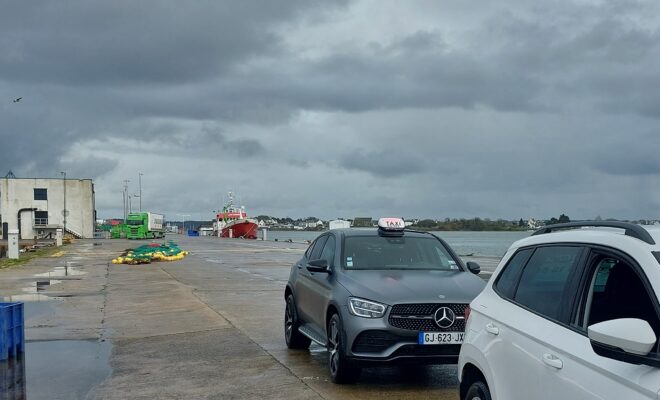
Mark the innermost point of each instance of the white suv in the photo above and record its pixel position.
(567, 315)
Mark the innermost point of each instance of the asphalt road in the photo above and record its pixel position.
(206, 327)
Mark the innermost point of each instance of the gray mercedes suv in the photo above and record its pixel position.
(379, 295)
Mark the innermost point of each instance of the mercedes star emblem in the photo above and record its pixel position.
(444, 317)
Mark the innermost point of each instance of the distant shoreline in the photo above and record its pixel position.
(413, 228)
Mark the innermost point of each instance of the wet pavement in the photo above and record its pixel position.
(65, 368)
(206, 327)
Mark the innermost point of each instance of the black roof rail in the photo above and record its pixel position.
(631, 230)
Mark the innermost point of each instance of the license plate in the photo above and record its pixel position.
(440, 337)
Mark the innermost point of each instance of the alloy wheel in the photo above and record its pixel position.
(334, 348)
(288, 321)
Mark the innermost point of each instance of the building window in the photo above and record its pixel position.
(41, 217)
(40, 194)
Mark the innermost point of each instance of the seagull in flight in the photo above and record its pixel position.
(17, 100)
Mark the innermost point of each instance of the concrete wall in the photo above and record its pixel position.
(19, 193)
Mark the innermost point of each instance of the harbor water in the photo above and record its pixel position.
(477, 244)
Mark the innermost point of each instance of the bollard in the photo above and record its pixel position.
(58, 237)
(264, 234)
(12, 242)
(231, 233)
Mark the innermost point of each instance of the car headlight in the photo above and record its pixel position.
(365, 308)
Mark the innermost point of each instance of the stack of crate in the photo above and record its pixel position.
(12, 332)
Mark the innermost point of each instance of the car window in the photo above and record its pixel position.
(508, 279)
(328, 252)
(318, 246)
(545, 279)
(308, 252)
(407, 252)
(618, 291)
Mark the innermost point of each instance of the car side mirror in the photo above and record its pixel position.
(318, 266)
(474, 267)
(625, 339)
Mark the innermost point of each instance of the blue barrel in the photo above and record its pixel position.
(12, 331)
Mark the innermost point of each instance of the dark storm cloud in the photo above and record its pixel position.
(497, 106)
(629, 165)
(386, 163)
(212, 142)
(628, 155)
(126, 42)
(96, 69)
(89, 167)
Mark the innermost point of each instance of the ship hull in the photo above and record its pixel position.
(241, 229)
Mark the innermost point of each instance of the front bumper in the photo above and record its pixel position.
(374, 341)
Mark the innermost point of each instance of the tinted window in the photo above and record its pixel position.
(377, 252)
(316, 252)
(308, 252)
(545, 279)
(40, 194)
(328, 252)
(508, 279)
(617, 291)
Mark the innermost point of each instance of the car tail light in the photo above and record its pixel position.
(466, 313)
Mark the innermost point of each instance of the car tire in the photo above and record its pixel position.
(342, 370)
(478, 391)
(294, 339)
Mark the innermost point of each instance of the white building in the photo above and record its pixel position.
(534, 223)
(36, 206)
(339, 224)
(206, 231)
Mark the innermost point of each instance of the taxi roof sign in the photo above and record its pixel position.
(391, 224)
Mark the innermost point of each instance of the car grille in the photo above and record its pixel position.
(420, 317)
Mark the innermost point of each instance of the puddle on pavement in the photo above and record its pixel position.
(59, 369)
(58, 272)
(34, 291)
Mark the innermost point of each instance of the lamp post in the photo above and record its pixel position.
(140, 185)
(183, 222)
(64, 210)
(125, 199)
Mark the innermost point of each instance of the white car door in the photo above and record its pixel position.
(537, 288)
(613, 289)
(514, 373)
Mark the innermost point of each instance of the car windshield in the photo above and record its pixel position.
(378, 252)
(134, 222)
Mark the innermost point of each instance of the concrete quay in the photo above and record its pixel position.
(206, 327)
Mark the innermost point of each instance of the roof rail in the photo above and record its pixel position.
(631, 230)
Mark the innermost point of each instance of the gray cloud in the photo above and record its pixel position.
(386, 163)
(89, 167)
(493, 109)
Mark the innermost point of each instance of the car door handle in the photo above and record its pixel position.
(492, 329)
(553, 361)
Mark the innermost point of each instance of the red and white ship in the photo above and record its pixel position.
(233, 222)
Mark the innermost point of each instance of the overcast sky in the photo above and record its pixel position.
(496, 109)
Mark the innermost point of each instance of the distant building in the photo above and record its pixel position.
(362, 222)
(339, 224)
(206, 231)
(534, 223)
(35, 207)
(314, 224)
